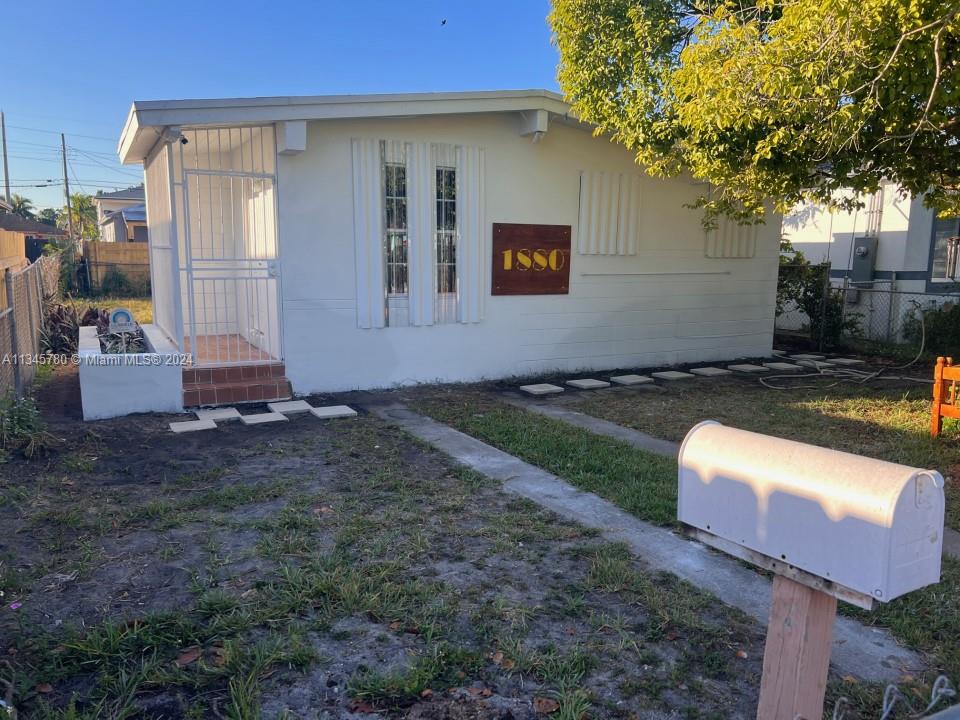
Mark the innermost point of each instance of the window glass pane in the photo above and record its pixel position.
(446, 232)
(395, 218)
(943, 228)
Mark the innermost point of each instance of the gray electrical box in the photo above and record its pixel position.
(864, 259)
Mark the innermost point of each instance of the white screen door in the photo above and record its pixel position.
(232, 303)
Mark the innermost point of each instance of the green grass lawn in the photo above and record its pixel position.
(640, 482)
(884, 420)
(882, 423)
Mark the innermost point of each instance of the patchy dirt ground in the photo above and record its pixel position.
(337, 569)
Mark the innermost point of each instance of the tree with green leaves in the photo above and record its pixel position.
(22, 206)
(48, 216)
(84, 214)
(783, 100)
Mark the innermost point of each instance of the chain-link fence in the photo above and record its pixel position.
(878, 316)
(24, 296)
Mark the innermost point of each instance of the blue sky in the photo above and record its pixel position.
(76, 67)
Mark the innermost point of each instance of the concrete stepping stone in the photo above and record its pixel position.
(588, 384)
(709, 371)
(192, 426)
(782, 366)
(219, 414)
(262, 418)
(815, 364)
(333, 411)
(845, 361)
(631, 379)
(807, 356)
(541, 389)
(779, 353)
(748, 368)
(672, 375)
(289, 407)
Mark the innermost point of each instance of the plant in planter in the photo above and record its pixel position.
(113, 343)
(62, 324)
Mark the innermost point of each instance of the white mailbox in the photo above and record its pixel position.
(866, 530)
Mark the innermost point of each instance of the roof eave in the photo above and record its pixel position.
(147, 119)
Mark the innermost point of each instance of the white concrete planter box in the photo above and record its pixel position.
(112, 385)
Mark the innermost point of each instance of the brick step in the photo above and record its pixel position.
(230, 393)
(228, 385)
(233, 373)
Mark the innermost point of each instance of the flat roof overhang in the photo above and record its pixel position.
(147, 120)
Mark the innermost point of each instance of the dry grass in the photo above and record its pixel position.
(142, 307)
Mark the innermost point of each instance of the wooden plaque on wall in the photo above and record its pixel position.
(531, 259)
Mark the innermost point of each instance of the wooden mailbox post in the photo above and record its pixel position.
(828, 524)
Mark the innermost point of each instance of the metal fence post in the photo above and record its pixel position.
(890, 308)
(30, 321)
(14, 350)
(823, 303)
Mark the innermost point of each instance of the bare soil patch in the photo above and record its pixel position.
(336, 569)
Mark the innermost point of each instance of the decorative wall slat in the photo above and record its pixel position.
(628, 226)
(730, 240)
(368, 233)
(470, 245)
(609, 220)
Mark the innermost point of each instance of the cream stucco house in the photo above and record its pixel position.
(365, 241)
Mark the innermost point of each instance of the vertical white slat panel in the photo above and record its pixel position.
(624, 199)
(607, 242)
(420, 258)
(368, 233)
(471, 223)
(636, 207)
(731, 240)
(609, 214)
(586, 207)
(596, 185)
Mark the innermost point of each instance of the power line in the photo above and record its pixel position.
(54, 132)
(80, 162)
(74, 173)
(112, 169)
(52, 183)
(56, 150)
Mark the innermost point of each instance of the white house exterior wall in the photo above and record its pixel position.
(667, 304)
(903, 243)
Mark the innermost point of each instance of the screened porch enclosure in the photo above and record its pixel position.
(222, 304)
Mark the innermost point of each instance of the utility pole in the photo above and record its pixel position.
(66, 185)
(6, 163)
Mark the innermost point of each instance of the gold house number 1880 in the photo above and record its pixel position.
(536, 260)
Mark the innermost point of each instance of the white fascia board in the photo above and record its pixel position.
(148, 118)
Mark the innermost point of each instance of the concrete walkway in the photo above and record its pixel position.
(868, 653)
(642, 441)
(634, 438)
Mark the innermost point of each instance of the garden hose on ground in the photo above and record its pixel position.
(842, 375)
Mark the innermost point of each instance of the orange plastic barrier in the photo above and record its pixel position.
(945, 395)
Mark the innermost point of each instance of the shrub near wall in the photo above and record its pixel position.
(941, 333)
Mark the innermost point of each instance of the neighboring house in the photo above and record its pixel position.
(126, 225)
(21, 238)
(895, 258)
(368, 241)
(893, 238)
(109, 203)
